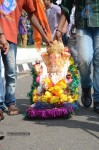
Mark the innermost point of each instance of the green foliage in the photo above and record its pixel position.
(34, 84)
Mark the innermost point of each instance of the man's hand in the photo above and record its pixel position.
(4, 45)
(47, 41)
(58, 36)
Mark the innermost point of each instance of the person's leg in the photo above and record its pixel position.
(1, 92)
(10, 75)
(85, 57)
(72, 44)
(96, 69)
(24, 40)
(21, 40)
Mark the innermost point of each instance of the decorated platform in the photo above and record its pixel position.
(54, 89)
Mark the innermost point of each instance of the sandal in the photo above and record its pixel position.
(1, 115)
(13, 110)
(1, 136)
(96, 107)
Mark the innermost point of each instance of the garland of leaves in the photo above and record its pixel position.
(34, 84)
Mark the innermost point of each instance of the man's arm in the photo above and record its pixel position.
(4, 45)
(30, 6)
(66, 7)
(35, 22)
(60, 27)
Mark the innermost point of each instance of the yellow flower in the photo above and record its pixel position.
(48, 94)
(62, 84)
(54, 99)
(47, 83)
(75, 97)
(63, 98)
(61, 92)
(35, 98)
(70, 99)
(51, 89)
(44, 98)
(71, 61)
(76, 89)
(57, 88)
(34, 92)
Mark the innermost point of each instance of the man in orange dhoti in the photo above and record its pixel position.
(40, 14)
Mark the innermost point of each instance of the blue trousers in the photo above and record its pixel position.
(7, 93)
(88, 54)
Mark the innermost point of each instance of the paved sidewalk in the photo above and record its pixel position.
(27, 55)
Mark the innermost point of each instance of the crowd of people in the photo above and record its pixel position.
(87, 43)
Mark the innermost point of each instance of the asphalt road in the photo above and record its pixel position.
(81, 132)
